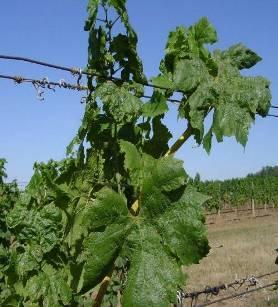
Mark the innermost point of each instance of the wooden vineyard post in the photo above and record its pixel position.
(219, 212)
(253, 202)
(253, 207)
(236, 211)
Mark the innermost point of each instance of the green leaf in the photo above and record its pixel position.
(78, 228)
(109, 207)
(42, 227)
(144, 239)
(91, 117)
(92, 9)
(121, 105)
(48, 287)
(189, 44)
(241, 56)
(120, 7)
(188, 74)
(102, 248)
(158, 144)
(167, 175)
(211, 82)
(156, 106)
(204, 32)
(177, 41)
(163, 81)
(98, 55)
(167, 172)
(125, 53)
(230, 119)
(99, 130)
(234, 99)
(125, 46)
(194, 109)
(132, 161)
(29, 260)
(183, 229)
(3, 173)
(132, 156)
(100, 252)
(154, 276)
(207, 141)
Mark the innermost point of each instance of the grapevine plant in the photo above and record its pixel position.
(9, 194)
(239, 192)
(116, 219)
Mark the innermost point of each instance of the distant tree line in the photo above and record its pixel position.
(267, 171)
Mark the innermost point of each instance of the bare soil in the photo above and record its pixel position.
(241, 246)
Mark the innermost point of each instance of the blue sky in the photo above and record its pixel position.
(53, 31)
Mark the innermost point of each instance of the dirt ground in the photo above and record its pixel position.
(241, 246)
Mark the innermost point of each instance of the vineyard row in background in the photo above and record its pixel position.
(254, 192)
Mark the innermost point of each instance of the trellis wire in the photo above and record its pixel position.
(237, 294)
(74, 70)
(46, 84)
(234, 211)
(215, 290)
(79, 71)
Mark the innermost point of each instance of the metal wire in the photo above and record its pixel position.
(79, 72)
(234, 211)
(75, 70)
(237, 295)
(216, 290)
(45, 83)
(272, 115)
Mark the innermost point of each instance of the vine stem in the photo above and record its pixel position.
(180, 141)
(102, 290)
